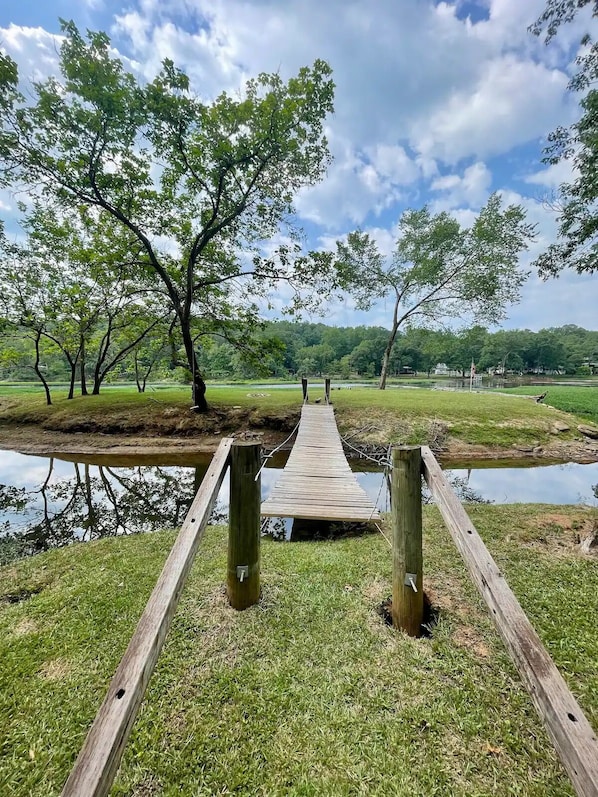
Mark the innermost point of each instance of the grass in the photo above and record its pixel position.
(308, 692)
(581, 401)
(408, 416)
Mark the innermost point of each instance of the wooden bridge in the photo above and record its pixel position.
(317, 482)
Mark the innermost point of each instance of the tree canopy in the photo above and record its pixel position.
(438, 269)
(197, 186)
(577, 243)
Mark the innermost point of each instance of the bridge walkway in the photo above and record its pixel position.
(317, 482)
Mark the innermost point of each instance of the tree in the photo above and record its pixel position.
(469, 344)
(439, 270)
(199, 186)
(75, 286)
(577, 243)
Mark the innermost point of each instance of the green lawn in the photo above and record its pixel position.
(395, 415)
(309, 692)
(582, 401)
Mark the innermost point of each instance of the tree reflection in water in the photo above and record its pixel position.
(96, 501)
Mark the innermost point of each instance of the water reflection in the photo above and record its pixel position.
(46, 503)
(49, 502)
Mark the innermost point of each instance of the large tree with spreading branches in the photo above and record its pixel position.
(439, 270)
(200, 186)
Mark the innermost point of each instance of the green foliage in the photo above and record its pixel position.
(440, 271)
(349, 352)
(577, 244)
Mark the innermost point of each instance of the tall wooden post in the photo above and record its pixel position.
(304, 388)
(327, 389)
(407, 566)
(243, 572)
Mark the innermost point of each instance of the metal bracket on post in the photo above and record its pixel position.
(242, 572)
(411, 581)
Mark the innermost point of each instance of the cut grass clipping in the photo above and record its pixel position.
(309, 692)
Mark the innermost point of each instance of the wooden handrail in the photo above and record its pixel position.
(98, 761)
(567, 726)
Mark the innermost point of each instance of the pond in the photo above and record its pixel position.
(47, 502)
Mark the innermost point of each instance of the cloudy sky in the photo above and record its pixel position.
(436, 102)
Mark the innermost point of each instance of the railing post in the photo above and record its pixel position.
(243, 572)
(407, 569)
(304, 388)
(327, 389)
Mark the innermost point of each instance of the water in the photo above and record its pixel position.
(48, 502)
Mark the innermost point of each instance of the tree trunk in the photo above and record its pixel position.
(84, 391)
(137, 379)
(73, 365)
(389, 345)
(199, 392)
(386, 359)
(37, 370)
(198, 387)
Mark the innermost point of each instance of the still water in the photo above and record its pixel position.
(47, 502)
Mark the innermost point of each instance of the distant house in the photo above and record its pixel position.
(441, 369)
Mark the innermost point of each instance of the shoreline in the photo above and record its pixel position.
(43, 442)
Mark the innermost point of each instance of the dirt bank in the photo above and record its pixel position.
(29, 439)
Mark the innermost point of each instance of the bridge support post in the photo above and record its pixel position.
(407, 558)
(243, 570)
(304, 388)
(327, 389)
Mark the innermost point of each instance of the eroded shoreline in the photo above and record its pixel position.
(43, 442)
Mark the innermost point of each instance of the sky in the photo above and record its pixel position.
(437, 103)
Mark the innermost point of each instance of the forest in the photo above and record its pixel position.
(290, 349)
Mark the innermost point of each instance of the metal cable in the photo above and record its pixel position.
(271, 454)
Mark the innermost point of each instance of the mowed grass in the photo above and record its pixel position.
(309, 692)
(394, 415)
(581, 401)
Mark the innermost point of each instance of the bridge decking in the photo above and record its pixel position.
(317, 482)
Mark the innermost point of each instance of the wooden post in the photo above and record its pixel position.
(304, 388)
(243, 573)
(407, 569)
(327, 389)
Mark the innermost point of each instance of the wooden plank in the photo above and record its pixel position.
(317, 482)
(100, 756)
(567, 726)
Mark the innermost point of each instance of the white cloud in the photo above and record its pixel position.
(393, 164)
(34, 49)
(514, 101)
(471, 189)
(554, 175)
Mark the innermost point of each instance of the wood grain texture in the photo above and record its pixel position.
(567, 726)
(100, 756)
(406, 512)
(317, 482)
(244, 524)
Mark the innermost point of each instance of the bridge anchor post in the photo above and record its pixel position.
(407, 558)
(243, 571)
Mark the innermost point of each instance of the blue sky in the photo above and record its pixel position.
(439, 103)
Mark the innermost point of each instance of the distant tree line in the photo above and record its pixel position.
(292, 349)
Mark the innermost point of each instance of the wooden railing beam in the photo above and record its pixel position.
(98, 761)
(567, 726)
